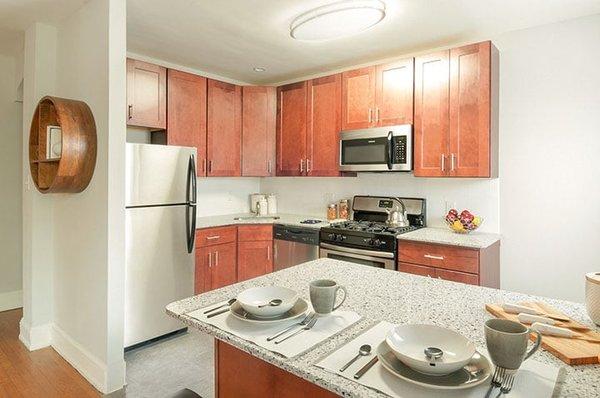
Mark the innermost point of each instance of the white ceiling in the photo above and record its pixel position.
(18, 15)
(230, 37)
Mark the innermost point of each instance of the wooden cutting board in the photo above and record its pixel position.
(570, 351)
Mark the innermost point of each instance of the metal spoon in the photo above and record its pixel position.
(363, 351)
(272, 303)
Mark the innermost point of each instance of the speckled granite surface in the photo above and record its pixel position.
(444, 236)
(395, 297)
(287, 219)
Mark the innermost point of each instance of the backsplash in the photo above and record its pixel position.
(217, 196)
(311, 195)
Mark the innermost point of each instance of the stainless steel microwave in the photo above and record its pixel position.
(377, 149)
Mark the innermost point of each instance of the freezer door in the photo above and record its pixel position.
(159, 270)
(157, 174)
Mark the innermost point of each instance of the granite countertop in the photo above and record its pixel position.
(393, 296)
(286, 219)
(444, 236)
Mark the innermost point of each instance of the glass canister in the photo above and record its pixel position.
(343, 209)
(332, 212)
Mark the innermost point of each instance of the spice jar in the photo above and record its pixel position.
(332, 212)
(343, 209)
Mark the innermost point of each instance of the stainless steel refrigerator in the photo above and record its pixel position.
(161, 222)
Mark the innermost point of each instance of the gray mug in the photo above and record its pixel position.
(507, 342)
(323, 293)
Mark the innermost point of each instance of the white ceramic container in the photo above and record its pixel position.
(253, 298)
(410, 342)
(592, 296)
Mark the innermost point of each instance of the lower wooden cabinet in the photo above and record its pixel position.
(453, 263)
(216, 266)
(255, 251)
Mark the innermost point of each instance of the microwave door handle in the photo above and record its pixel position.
(390, 150)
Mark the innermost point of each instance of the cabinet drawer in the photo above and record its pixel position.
(416, 269)
(215, 236)
(439, 256)
(454, 276)
(247, 233)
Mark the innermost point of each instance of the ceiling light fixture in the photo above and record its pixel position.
(337, 20)
(259, 69)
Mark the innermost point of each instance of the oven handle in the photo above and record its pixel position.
(390, 150)
(357, 251)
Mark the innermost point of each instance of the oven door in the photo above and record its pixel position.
(376, 259)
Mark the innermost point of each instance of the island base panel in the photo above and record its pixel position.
(239, 374)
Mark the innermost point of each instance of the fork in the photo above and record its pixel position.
(305, 321)
(497, 379)
(305, 328)
(507, 383)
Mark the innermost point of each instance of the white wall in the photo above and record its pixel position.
(218, 196)
(10, 174)
(549, 146)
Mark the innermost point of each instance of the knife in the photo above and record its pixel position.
(218, 313)
(365, 368)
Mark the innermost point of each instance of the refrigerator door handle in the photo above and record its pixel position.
(190, 224)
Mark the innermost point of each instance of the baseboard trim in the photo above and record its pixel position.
(11, 300)
(35, 337)
(82, 360)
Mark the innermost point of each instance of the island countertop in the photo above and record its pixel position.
(393, 296)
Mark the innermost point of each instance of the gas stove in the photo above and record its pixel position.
(367, 239)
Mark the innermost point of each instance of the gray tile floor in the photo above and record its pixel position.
(163, 368)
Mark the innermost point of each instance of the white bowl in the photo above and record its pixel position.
(409, 342)
(251, 298)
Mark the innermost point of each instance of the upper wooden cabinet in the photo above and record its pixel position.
(378, 95)
(324, 123)
(146, 95)
(224, 128)
(291, 129)
(259, 113)
(456, 112)
(186, 113)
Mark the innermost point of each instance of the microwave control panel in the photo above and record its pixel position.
(399, 145)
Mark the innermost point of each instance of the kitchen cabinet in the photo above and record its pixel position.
(255, 251)
(456, 106)
(259, 113)
(324, 124)
(216, 258)
(378, 96)
(186, 114)
(146, 95)
(459, 264)
(291, 128)
(224, 129)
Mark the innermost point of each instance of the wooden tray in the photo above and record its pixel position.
(570, 351)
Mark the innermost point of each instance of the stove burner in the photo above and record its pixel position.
(372, 227)
(310, 221)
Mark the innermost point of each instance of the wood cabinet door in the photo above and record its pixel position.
(186, 113)
(259, 113)
(470, 96)
(417, 269)
(394, 94)
(455, 276)
(431, 123)
(254, 259)
(224, 129)
(291, 129)
(146, 95)
(202, 270)
(358, 98)
(324, 124)
(223, 265)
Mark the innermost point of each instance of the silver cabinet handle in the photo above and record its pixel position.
(268, 252)
(204, 166)
(452, 162)
(443, 162)
(213, 237)
(370, 115)
(209, 260)
(216, 258)
(130, 111)
(301, 166)
(433, 257)
(307, 165)
(269, 167)
(377, 114)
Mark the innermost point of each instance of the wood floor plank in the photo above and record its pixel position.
(41, 373)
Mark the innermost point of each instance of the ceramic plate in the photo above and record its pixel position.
(477, 371)
(253, 300)
(297, 310)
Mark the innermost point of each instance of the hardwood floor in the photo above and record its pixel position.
(41, 373)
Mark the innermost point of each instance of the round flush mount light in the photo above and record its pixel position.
(335, 20)
(259, 69)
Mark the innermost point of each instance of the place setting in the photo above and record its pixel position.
(416, 359)
(278, 319)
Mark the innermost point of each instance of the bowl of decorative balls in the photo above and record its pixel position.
(464, 222)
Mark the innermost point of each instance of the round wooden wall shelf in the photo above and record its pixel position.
(62, 145)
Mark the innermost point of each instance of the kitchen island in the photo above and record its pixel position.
(377, 295)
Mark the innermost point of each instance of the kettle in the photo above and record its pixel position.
(397, 218)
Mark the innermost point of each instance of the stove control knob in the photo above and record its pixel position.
(377, 243)
(331, 236)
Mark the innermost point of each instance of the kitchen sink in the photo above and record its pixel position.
(247, 218)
